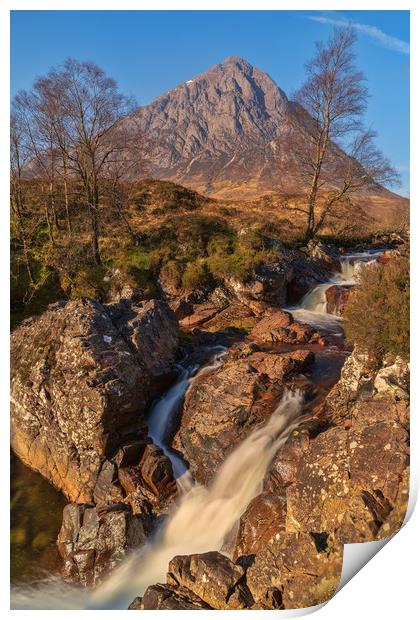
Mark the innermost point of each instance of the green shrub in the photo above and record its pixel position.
(195, 276)
(240, 264)
(219, 245)
(87, 283)
(377, 315)
(252, 239)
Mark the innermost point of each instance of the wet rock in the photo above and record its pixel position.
(213, 578)
(151, 479)
(337, 297)
(309, 269)
(82, 373)
(91, 541)
(262, 520)
(279, 327)
(164, 596)
(222, 407)
(156, 471)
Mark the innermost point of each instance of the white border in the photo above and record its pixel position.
(386, 585)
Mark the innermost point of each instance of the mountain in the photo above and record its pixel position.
(227, 133)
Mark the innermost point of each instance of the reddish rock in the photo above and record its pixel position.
(201, 314)
(213, 578)
(304, 570)
(82, 374)
(351, 479)
(337, 297)
(288, 571)
(222, 407)
(262, 520)
(165, 596)
(279, 327)
(156, 471)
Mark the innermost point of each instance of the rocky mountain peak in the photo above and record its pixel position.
(227, 133)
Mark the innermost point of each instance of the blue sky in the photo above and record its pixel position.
(149, 52)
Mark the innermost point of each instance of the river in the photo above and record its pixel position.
(203, 517)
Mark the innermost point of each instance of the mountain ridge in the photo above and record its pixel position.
(227, 132)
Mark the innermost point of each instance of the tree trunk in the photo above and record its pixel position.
(94, 220)
(48, 222)
(27, 261)
(66, 206)
(53, 208)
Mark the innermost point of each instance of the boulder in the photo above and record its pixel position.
(295, 570)
(309, 269)
(288, 571)
(201, 314)
(236, 316)
(269, 284)
(151, 330)
(350, 479)
(262, 520)
(222, 407)
(212, 577)
(337, 297)
(279, 327)
(91, 541)
(82, 374)
(322, 253)
(165, 596)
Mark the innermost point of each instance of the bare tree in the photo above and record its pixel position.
(37, 123)
(18, 159)
(89, 131)
(330, 141)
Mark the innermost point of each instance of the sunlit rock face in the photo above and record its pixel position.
(230, 133)
(82, 374)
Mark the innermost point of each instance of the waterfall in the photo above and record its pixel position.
(200, 522)
(316, 300)
(161, 416)
(313, 310)
(313, 306)
(204, 516)
(352, 264)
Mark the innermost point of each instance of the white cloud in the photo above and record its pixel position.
(385, 40)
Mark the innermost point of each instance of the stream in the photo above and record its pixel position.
(312, 308)
(202, 517)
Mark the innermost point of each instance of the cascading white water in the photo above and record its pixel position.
(199, 523)
(313, 306)
(352, 264)
(161, 415)
(316, 300)
(204, 516)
